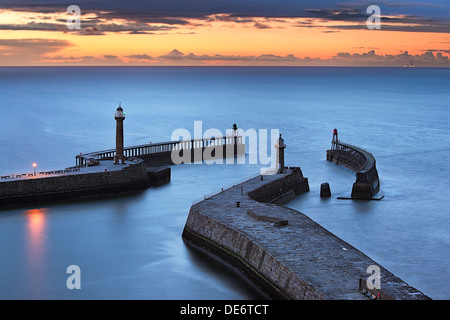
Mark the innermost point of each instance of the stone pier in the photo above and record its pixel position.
(280, 250)
(363, 163)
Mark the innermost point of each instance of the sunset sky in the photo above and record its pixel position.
(225, 32)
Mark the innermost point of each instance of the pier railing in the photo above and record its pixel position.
(225, 188)
(40, 173)
(362, 157)
(159, 148)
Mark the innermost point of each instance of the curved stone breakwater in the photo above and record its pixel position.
(361, 162)
(280, 250)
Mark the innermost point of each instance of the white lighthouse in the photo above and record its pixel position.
(280, 155)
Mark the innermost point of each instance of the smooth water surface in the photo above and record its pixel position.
(130, 246)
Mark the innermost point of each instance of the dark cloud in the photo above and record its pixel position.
(133, 9)
(141, 57)
(438, 50)
(178, 12)
(230, 18)
(23, 51)
(173, 55)
(70, 58)
(347, 14)
(34, 42)
(370, 58)
(435, 28)
(83, 60)
(153, 16)
(101, 29)
(89, 27)
(394, 4)
(360, 15)
(179, 56)
(403, 23)
(34, 26)
(91, 31)
(259, 25)
(142, 17)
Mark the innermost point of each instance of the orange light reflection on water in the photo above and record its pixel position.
(35, 235)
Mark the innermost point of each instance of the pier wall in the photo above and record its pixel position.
(281, 191)
(361, 162)
(235, 247)
(133, 177)
(297, 259)
(158, 175)
(272, 277)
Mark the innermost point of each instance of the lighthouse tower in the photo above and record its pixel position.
(335, 140)
(119, 158)
(280, 155)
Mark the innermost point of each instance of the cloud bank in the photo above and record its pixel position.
(143, 17)
(37, 52)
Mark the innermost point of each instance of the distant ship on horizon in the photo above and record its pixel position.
(411, 65)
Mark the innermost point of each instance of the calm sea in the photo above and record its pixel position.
(130, 246)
